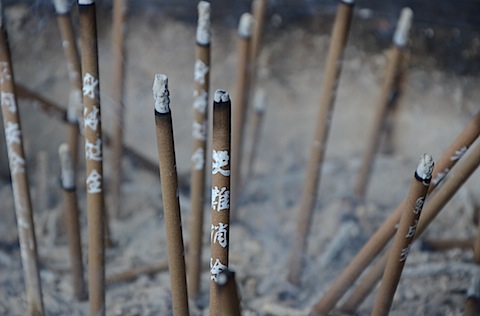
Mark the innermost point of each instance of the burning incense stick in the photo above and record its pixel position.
(93, 157)
(242, 88)
(258, 9)
(220, 193)
(18, 172)
(404, 236)
(118, 52)
(447, 244)
(399, 43)
(381, 237)
(327, 100)
(257, 121)
(228, 294)
(171, 205)
(200, 131)
(72, 222)
(62, 8)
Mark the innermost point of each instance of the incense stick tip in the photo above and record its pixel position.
(66, 165)
(221, 96)
(86, 2)
(425, 167)
(203, 25)
(61, 6)
(400, 37)
(259, 101)
(161, 95)
(350, 2)
(245, 26)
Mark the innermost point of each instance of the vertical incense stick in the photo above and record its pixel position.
(431, 209)
(42, 192)
(93, 157)
(220, 193)
(118, 52)
(472, 307)
(200, 129)
(385, 232)
(399, 42)
(404, 236)
(228, 294)
(242, 88)
(257, 120)
(171, 205)
(72, 222)
(329, 87)
(18, 172)
(258, 11)
(62, 8)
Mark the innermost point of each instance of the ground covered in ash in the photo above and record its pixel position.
(438, 102)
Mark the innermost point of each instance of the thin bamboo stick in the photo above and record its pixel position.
(333, 67)
(74, 110)
(132, 274)
(18, 172)
(93, 157)
(399, 42)
(242, 92)
(228, 294)
(220, 193)
(431, 209)
(385, 232)
(200, 112)
(171, 205)
(404, 236)
(72, 222)
(118, 52)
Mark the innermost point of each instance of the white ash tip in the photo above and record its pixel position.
(161, 95)
(245, 26)
(425, 167)
(222, 278)
(221, 96)
(86, 2)
(61, 6)
(400, 37)
(348, 1)
(259, 101)
(67, 172)
(203, 25)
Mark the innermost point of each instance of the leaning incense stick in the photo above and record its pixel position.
(118, 52)
(404, 236)
(330, 83)
(200, 129)
(93, 157)
(18, 172)
(399, 43)
(228, 294)
(242, 90)
(171, 205)
(62, 8)
(431, 209)
(381, 237)
(132, 274)
(72, 221)
(220, 193)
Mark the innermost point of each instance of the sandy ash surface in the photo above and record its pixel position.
(434, 109)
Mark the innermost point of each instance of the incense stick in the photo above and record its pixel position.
(200, 112)
(93, 157)
(171, 205)
(72, 221)
(42, 192)
(220, 193)
(404, 236)
(18, 172)
(118, 52)
(330, 83)
(228, 294)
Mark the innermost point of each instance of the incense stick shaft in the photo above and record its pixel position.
(228, 294)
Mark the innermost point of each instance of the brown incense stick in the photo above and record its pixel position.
(171, 205)
(258, 10)
(132, 274)
(431, 209)
(242, 90)
(200, 129)
(62, 8)
(18, 172)
(93, 157)
(330, 83)
(220, 193)
(404, 236)
(118, 52)
(256, 124)
(42, 192)
(399, 43)
(72, 221)
(228, 294)
(472, 304)
(381, 237)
